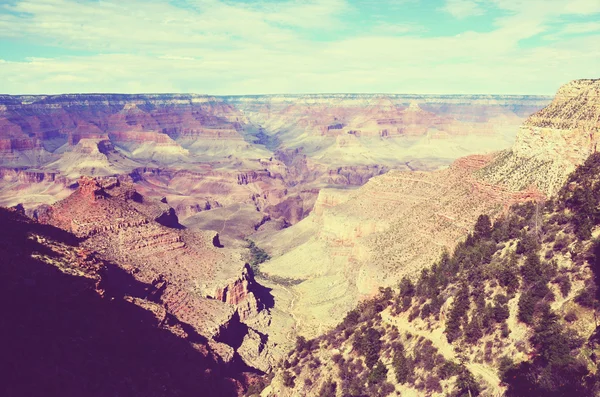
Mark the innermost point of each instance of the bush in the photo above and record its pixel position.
(407, 288)
(505, 364)
(425, 311)
(403, 366)
(466, 384)
(378, 373)
(483, 227)
(288, 380)
(414, 313)
(504, 330)
(528, 245)
(457, 313)
(564, 284)
(532, 270)
(474, 330)
(351, 319)
(501, 311)
(587, 297)
(386, 389)
(368, 343)
(507, 276)
(449, 369)
(432, 384)
(561, 243)
(328, 389)
(570, 317)
(527, 304)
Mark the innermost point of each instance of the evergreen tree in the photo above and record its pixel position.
(483, 227)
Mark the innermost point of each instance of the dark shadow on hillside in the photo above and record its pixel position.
(264, 296)
(60, 338)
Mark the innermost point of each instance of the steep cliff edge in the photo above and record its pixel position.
(552, 142)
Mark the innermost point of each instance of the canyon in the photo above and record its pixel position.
(343, 193)
(396, 224)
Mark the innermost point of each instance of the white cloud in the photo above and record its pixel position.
(220, 47)
(583, 27)
(463, 8)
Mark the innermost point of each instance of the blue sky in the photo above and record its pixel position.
(297, 46)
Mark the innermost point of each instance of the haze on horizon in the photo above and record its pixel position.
(226, 47)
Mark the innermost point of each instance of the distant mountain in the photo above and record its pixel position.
(272, 153)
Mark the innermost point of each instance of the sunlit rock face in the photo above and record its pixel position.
(553, 141)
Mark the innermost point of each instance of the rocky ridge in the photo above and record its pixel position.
(196, 279)
(553, 141)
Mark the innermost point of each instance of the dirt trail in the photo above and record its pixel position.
(239, 208)
(438, 339)
(290, 311)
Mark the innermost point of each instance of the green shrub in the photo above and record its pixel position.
(403, 366)
(378, 373)
(407, 288)
(328, 389)
(288, 379)
(527, 245)
(564, 284)
(466, 384)
(368, 343)
(500, 309)
(527, 303)
(483, 227)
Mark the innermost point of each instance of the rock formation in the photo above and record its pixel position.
(280, 150)
(552, 142)
(80, 325)
(205, 286)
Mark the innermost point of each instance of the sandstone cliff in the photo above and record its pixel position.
(552, 142)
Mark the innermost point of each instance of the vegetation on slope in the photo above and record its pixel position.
(257, 256)
(511, 310)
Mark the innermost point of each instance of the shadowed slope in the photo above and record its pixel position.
(71, 328)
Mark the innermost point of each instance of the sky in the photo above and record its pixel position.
(238, 47)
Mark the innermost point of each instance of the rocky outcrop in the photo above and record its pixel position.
(553, 141)
(575, 107)
(254, 349)
(198, 283)
(240, 293)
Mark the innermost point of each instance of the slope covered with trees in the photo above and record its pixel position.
(510, 311)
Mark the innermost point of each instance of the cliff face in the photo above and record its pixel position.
(553, 141)
(240, 293)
